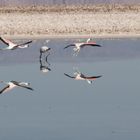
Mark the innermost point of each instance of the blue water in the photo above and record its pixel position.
(63, 108)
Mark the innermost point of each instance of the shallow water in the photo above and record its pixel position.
(63, 108)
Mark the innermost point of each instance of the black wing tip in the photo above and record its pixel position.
(32, 89)
(69, 46)
(1, 37)
(65, 47)
(98, 45)
(29, 88)
(66, 75)
(30, 41)
(95, 77)
(99, 76)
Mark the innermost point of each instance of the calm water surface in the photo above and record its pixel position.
(61, 108)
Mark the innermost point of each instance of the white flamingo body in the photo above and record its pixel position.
(11, 46)
(79, 77)
(77, 47)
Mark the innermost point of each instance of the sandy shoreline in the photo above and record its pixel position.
(107, 36)
(19, 24)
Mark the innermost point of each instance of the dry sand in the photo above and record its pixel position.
(69, 23)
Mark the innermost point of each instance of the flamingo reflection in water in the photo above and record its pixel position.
(44, 50)
(44, 65)
(43, 59)
(80, 76)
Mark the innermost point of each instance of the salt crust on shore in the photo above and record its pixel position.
(69, 24)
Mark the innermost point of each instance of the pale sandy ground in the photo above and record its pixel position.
(60, 24)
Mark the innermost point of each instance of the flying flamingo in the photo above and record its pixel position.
(13, 46)
(77, 46)
(80, 76)
(13, 84)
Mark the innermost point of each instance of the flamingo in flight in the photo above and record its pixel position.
(13, 84)
(80, 76)
(13, 46)
(79, 45)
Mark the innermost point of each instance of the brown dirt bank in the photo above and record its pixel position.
(73, 8)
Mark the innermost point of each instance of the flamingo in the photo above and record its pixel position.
(13, 46)
(13, 84)
(80, 76)
(79, 45)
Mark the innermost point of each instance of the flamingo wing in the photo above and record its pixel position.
(5, 89)
(70, 45)
(19, 45)
(93, 77)
(25, 43)
(15, 47)
(69, 75)
(82, 75)
(6, 41)
(27, 87)
(21, 85)
(91, 44)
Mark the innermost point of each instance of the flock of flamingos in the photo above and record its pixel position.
(45, 49)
